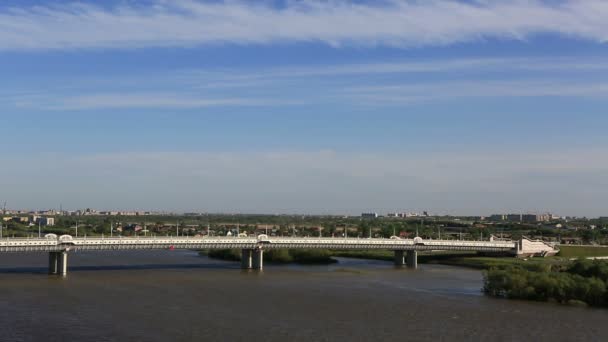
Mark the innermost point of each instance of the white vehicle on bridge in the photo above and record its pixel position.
(263, 238)
(67, 239)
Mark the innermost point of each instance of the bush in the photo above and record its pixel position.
(583, 281)
(590, 268)
(279, 256)
(312, 256)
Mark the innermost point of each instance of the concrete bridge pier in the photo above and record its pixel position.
(258, 259)
(246, 259)
(53, 262)
(62, 263)
(399, 258)
(412, 259)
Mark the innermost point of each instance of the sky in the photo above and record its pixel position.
(309, 107)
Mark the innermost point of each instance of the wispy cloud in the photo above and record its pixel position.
(399, 23)
(132, 100)
(424, 91)
(488, 65)
(155, 101)
(381, 83)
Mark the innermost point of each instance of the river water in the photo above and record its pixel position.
(180, 296)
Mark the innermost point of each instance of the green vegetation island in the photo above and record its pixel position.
(578, 282)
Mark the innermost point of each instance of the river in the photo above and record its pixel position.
(181, 296)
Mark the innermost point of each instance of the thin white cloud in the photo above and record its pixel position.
(424, 91)
(152, 100)
(239, 78)
(397, 23)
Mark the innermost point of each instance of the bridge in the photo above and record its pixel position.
(252, 248)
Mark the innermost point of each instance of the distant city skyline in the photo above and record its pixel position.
(339, 107)
(401, 213)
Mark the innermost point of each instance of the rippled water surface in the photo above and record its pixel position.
(180, 296)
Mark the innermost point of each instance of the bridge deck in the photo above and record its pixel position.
(125, 243)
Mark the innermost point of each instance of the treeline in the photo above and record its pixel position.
(583, 281)
(279, 256)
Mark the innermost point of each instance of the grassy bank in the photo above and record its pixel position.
(278, 256)
(582, 251)
(463, 259)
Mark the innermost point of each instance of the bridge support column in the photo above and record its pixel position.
(412, 259)
(258, 259)
(246, 259)
(62, 263)
(399, 258)
(53, 262)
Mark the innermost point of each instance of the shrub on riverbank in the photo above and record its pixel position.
(584, 281)
(278, 256)
(311, 256)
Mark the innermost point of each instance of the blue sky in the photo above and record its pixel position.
(469, 107)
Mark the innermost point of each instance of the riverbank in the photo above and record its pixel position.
(462, 259)
(320, 256)
(474, 260)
